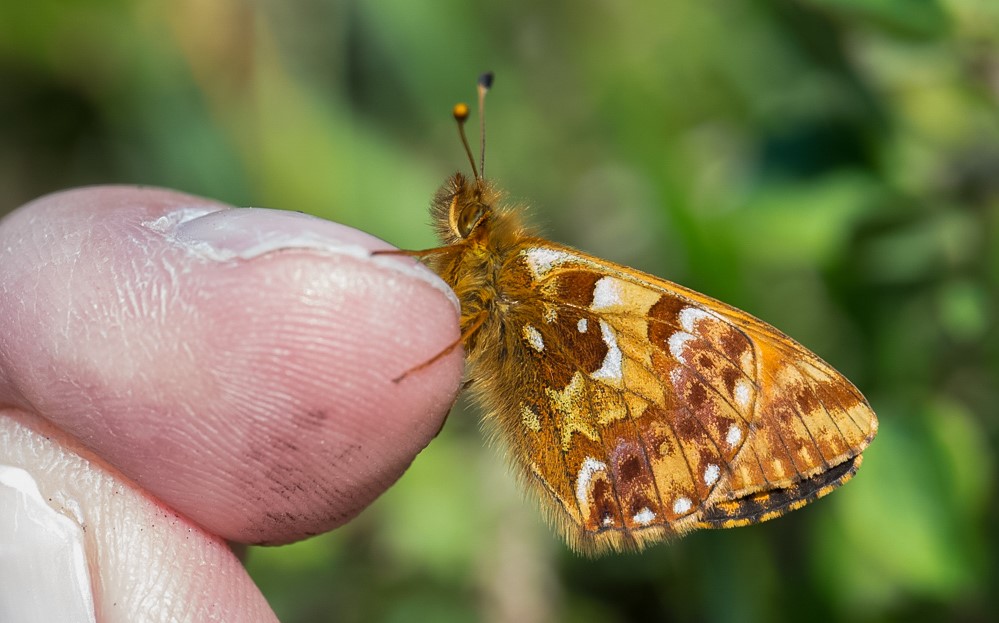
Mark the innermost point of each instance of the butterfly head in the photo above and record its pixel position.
(463, 209)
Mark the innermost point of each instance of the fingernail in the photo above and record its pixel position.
(246, 233)
(43, 563)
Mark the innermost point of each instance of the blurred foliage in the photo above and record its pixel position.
(829, 165)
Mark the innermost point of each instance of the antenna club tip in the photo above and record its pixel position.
(460, 111)
(486, 80)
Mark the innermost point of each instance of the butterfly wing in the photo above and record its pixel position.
(647, 409)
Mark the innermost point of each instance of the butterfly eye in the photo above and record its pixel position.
(466, 214)
(470, 218)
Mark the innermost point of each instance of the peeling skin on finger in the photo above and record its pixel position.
(44, 574)
(78, 542)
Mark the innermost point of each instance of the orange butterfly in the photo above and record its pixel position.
(635, 409)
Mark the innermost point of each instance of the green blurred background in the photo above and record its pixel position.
(829, 165)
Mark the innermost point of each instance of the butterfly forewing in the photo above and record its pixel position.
(646, 409)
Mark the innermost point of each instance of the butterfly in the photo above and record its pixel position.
(634, 409)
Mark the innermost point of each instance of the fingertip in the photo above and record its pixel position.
(237, 363)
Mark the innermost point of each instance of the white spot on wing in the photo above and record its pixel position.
(542, 259)
(606, 293)
(689, 317)
(734, 436)
(682, 506)
(611, 367)
(676, 375)
(778, 467)
(533, 337)
(581, 325)
(676, 344)
(711, 473)
(743, 394)
(587, 470)
(644, 517)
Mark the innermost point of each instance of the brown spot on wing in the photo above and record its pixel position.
(696, 395)
(633, 480)
(571, 287)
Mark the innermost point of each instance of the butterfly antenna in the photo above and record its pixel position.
(485, 83)
(460, 112)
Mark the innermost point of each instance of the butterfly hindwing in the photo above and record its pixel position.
(646, 409)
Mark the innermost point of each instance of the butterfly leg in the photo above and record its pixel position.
(465, 335)
(421, 253)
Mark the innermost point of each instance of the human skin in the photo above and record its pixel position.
(176, 374)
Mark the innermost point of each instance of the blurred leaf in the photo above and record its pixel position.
(964, 310)
(922, 246)
(434, 511)
(802, 223)
(918, 18)
(910, 522)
